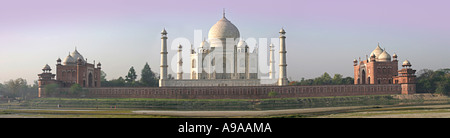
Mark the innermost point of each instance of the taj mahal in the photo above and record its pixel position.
(223, 67)
(224, 60)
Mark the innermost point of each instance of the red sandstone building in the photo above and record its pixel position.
(73, 69)
(380, 69)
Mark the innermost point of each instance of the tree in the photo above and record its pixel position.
(433, 81)
(51, 89)
(272, 94)
(148, 77)
(337, 79)
(170, 77)
(348, 80)
(120, 82)
(75, 89)
(102, 76)
(131, 77)
(17, 87)
(325, 79)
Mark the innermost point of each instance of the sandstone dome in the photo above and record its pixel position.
(406, 63)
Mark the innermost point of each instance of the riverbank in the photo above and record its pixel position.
(344, 106)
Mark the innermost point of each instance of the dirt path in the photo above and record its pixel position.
(422, 111)
(245, 113)
(419, 111)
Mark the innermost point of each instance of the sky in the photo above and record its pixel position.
(322, 35)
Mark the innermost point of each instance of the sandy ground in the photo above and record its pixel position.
(244, 113)
(422, 111)
(430, 111)
(425, 111)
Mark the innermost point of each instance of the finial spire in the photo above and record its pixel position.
(223, 13)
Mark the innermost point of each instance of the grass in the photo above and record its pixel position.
(77, 113)
(104, 107)
(214, 104)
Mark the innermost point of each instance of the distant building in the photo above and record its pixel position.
(224, 60)
(381, 69)
(73, 69)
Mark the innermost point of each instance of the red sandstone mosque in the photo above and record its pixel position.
(380, 69)
(74, 69)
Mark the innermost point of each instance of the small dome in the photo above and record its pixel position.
(241, 44)
(164, 32)
(377, 51)
(75, 54)
(204, 45)
(384, 57)
(282, 31)
(223, 29)
(46, 67)
(406, 63)
(69, 60)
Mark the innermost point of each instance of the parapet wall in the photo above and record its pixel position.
(235, 92)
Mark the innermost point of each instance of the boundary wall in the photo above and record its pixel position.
(232, 92)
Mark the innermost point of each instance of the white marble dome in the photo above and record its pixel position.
(377, 51)
(75, 54)
(241, 44)
(223, 29)
(384, 57)
(69, 60)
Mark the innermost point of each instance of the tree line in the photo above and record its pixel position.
(18, 89)
(430, 81)
(148, 79)
(325, 79)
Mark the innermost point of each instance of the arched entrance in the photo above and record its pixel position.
(363, 77)
(90, 80)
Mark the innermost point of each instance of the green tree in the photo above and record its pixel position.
(51, 89)
(16, 87)
(102, 76)
(75, 89)
(148, 77)
(120, 82)
(131, 77)
(348, 80)
(325, 79)
(272, 94)
(337, 79)
(433, 81)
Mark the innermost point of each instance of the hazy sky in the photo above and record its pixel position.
(322, 35)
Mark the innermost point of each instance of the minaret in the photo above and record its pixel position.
(180, 63)
(282, 80)
(272, 62)
(163, 69)
(247, 67)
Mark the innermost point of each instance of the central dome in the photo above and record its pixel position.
(223, 29)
